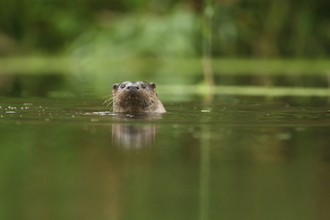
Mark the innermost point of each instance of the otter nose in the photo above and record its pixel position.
(132, 88)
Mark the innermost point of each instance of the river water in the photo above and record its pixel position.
(229, 158)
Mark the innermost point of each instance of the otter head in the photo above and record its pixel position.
(136, 96)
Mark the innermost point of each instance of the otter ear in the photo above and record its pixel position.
(153, 85)
(115, 86)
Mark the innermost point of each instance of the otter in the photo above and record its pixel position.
(134, 97)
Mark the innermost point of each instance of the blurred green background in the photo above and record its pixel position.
(154, 28)
(91, 44)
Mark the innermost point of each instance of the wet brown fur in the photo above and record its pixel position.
(138, 96)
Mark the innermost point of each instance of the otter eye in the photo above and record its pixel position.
(122, 86)
(143, 86)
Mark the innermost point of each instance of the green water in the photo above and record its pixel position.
(232, 158)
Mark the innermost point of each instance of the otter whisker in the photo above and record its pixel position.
(109, 99)
(107, 102)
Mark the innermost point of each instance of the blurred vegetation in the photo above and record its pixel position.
(92, 44)
(240, 28)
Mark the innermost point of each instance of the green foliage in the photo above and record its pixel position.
(275, 28)
(141, 34)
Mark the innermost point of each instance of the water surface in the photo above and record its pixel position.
(231, 158)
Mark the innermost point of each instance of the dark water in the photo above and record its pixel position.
(242, 158)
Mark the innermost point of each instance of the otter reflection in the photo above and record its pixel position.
(132, 131)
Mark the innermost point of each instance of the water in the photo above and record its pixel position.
(232, 158)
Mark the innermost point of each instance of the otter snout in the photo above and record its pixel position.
(132, 88)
